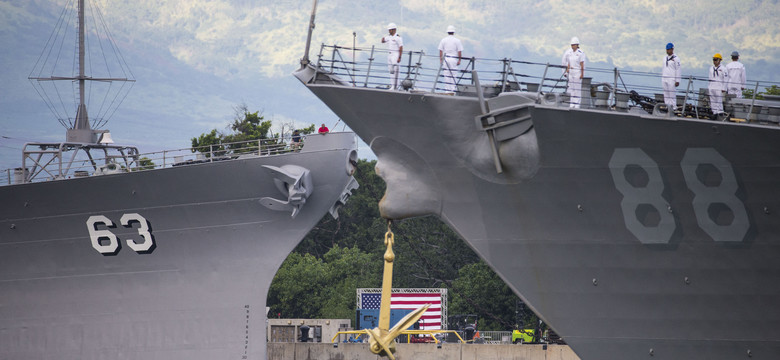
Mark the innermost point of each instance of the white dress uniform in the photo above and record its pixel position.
(572, 59)
(394, 44)
(671, 74)
(737, 78)
(719, 78)
(450, 46)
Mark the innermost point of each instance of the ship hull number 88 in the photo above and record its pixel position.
(710, 197)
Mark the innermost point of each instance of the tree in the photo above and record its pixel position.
(297, 286)
(428, 254)
(773, 90)
(359, 224)
(348, 269)
(309, 287)
(246, 126)
(478, 290)
(144, 163)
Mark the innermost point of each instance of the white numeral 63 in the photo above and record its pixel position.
(106, 242)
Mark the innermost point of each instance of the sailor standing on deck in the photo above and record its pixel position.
(450, 51)
(574, 61)
(670, 76)
(737, 76)
(719, 78)
(395, 45)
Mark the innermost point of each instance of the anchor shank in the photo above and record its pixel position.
(387, 284)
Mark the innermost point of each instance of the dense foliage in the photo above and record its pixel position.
(246, 126)
(319, 279)
(310, 287)
(772, 90)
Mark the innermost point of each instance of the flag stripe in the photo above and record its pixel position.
(430, 320)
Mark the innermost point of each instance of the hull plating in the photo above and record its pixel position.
(198, 293)
(632, 236)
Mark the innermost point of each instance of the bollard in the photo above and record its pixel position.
(304, 333)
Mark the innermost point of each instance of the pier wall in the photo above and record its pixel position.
(448, 351)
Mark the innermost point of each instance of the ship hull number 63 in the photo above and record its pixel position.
(107, 243)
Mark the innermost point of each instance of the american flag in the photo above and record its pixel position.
(431, 319)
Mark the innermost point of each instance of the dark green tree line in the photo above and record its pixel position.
(320, 277)
(428, 254)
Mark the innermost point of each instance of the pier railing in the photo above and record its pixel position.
(604, 88)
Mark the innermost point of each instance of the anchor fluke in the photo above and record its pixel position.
(293, 181)
(382, 342)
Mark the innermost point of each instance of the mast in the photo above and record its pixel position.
(46, 159)
(80, 130)
(82, 119)
(305, 59)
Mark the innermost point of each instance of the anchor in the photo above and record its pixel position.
(381, 338)
(293, 181)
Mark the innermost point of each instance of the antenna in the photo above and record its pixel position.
(79, 128)
(305, 59)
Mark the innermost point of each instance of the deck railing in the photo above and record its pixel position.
(605, 88)
(54, 161)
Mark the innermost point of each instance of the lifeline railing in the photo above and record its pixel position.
(53, 161)
(602, 87)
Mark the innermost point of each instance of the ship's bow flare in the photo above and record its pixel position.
(412, 188)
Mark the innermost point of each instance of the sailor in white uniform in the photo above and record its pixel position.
(737, 76)
(574, 61)
(719, 78)
(395, 47)
(450, 52)
(670, 76)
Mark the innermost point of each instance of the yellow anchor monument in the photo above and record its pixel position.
(381, 339)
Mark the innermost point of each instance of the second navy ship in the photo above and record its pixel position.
(634, 229)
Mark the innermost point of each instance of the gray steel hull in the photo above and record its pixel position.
(200, 292)
(619, 273)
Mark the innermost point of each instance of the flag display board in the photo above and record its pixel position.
(435, 318)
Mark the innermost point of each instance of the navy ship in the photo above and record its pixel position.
(634, 229)
(107, 253)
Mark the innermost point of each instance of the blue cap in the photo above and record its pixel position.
(669, 46)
